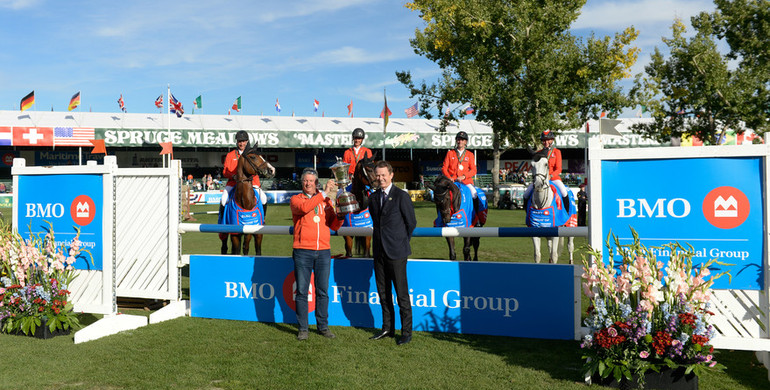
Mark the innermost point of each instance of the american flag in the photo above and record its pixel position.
(73, 136)
(411, 111)
(176, 106)
(121, 103)
(159, 102)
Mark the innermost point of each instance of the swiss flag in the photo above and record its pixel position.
(33, 136)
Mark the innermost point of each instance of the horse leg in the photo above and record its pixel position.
(571, 248)
(475, 241)
(451, 243)
(246, 243)
(368, 246)
(224, 238)
(235, 244)
(348, 246)
(258, 244)
(553, 248)
(466, 248)
(536, 245)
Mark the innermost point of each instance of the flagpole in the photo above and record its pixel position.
(384, 123)
(168, 118)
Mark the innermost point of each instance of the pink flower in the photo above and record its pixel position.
(712, 364)
(644, 354)
(612, 332)
(709, 358)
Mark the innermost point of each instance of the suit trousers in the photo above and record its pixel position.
(389, 272)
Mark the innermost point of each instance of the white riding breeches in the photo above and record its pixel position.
(229, 189)
(559, 187)
(473, 190)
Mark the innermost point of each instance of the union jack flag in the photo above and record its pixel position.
(176, 106)
(159, 102)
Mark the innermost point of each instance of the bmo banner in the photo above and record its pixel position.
(713, 204)
(64, 203)
(504, 299)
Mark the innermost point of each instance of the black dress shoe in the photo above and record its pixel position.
(404, 339)
(382, 335)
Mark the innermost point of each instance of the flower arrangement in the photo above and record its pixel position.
(34, 277)
(643, 319)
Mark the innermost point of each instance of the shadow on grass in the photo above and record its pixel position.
(287, 328)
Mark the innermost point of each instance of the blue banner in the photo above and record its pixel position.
(714, 204)
(67, 202)
(504, 299)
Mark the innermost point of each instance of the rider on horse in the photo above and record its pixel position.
(460, 165)
(231, 166)
(357, 152)
(554, 169)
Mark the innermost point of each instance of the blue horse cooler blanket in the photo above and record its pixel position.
(360, 219)
(554, 215)
(466, 216)
(236, 215)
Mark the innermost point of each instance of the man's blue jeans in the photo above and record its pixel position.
(305, 262)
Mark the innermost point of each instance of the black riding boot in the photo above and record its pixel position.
(565, 202)
(221, 214)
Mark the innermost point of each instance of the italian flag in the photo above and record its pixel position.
(237, 104)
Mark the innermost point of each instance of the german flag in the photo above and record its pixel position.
(74, 102)
(27, 101)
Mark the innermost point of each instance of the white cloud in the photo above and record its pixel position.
(18, 4)
(616, 15)
(296, 9)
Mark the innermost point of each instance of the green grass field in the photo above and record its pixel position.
(202, 353)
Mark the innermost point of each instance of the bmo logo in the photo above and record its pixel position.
(659, 208)
(290, 288)
(83, 210)
(726, 207)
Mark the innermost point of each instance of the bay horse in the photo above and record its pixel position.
(249, 164)
(541, 198)
(361, 188)
(448, 198)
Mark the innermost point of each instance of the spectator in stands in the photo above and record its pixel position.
(506, 202)
(582, 205)
(357, 152)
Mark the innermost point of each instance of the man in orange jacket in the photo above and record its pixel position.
(460, 164)
(313, 215)
(357, 152)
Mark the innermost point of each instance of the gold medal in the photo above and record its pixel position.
(316, 219)
(460, 167)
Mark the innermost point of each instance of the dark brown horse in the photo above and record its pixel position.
(363, 181)
(249, 164)
(448, 197)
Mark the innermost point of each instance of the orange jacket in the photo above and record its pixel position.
(231, 166)
(554, 163)
(451, 167)
(352, 157)
(309, 234)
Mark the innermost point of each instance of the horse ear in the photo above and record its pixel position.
(375, 155)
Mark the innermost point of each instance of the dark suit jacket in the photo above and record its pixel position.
(394, 224)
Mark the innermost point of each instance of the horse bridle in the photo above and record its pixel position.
(250, 177)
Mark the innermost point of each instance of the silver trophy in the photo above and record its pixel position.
(346, 202)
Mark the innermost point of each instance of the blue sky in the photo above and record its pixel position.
(334, 51)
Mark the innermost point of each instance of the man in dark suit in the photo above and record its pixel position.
(394, 221)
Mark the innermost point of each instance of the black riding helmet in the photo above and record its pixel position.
(359, 133)
(241, 136)
(548, 134)
(461, 135)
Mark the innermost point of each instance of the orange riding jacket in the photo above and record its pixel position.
(231, 166)
(451, 167)
(554, 164)
(351, 157)
(311, 232)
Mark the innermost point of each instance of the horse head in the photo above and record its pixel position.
(447, 197)
(254, 164)
(541, 178)
(365, 171)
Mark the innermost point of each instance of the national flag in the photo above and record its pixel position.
(198, 103)
(73, 136)
(159, 102)
(315, 105)
(98, 146)
(277, 105)
(680, 111)
(469, 110)
(6, 136)
(237, 104)
(350, 108)
(603, 114)
(175, 105)
(386, 113)
(33, 136)
(609, 126)
(588, 129)
(411, 111)
(74, 102)
(121, 103)
(27, 101)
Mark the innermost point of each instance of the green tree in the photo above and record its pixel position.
(696, 90)
(518, 65)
